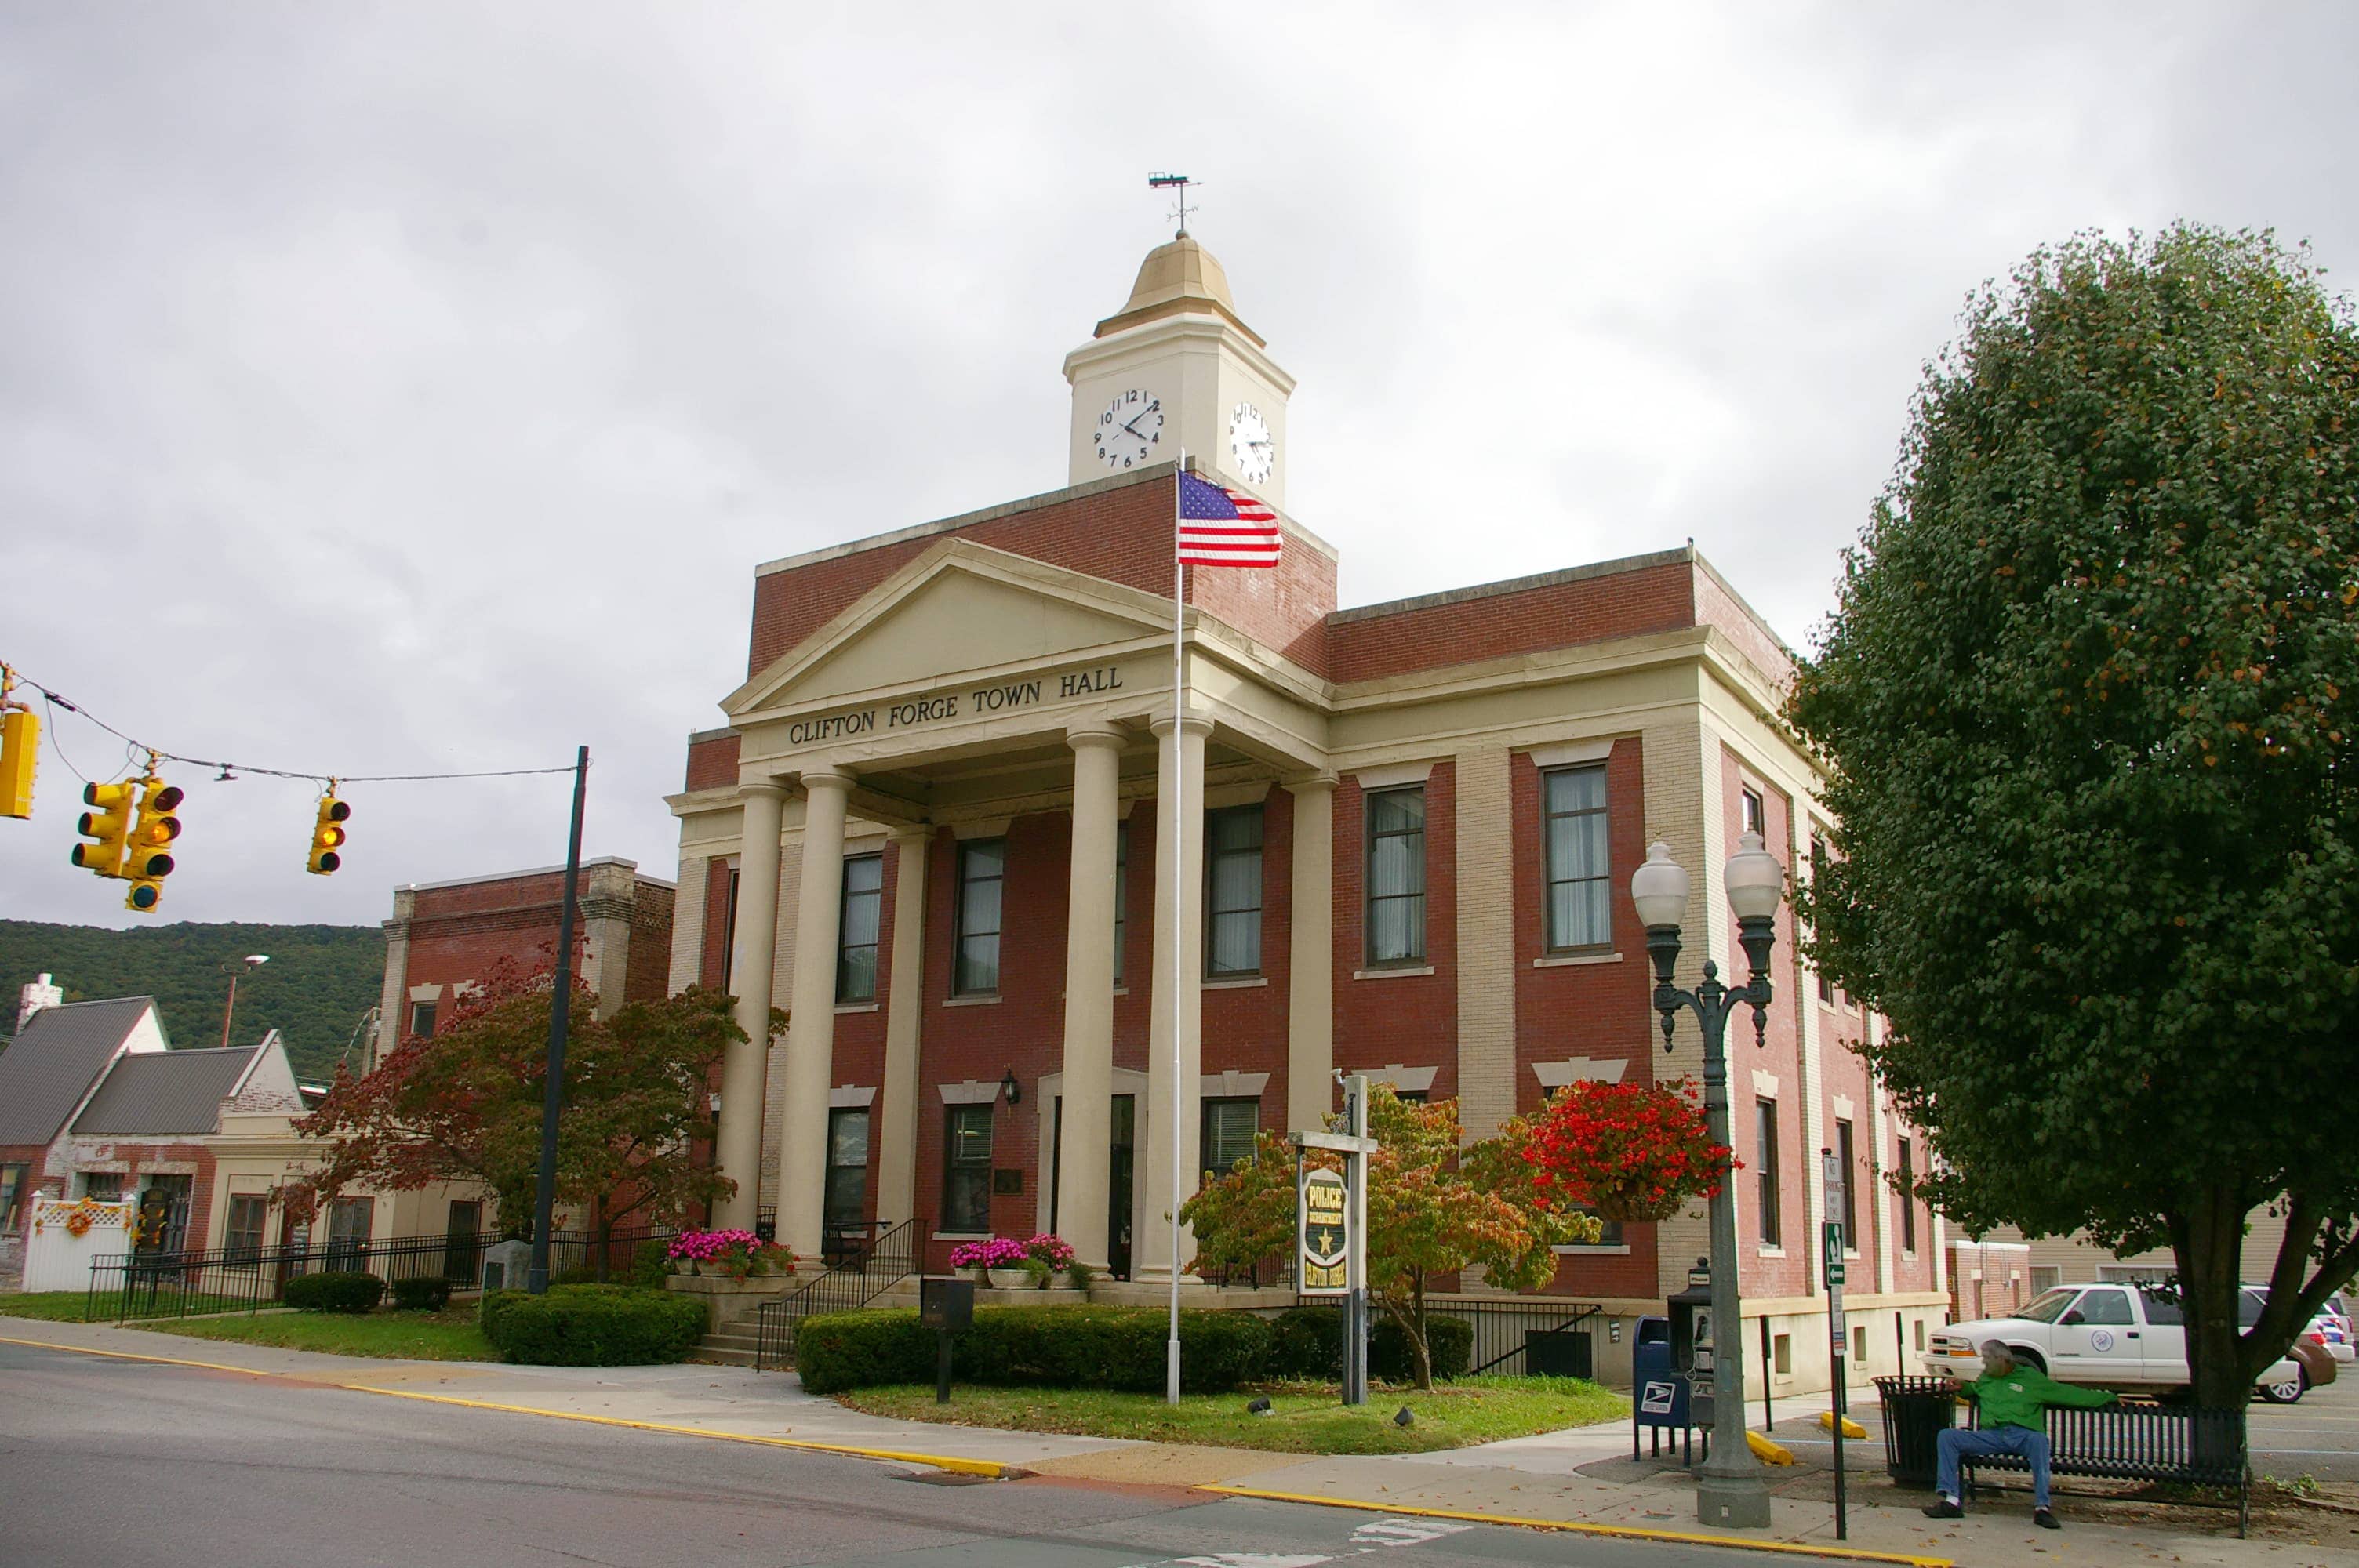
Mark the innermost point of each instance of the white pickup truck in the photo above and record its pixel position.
(2111, 1336)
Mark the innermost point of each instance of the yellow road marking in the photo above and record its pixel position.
(953, 1463)
(1633, 1532)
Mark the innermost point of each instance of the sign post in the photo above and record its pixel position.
(1331, 1230)
(1831, 1250)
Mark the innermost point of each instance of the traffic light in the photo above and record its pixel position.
(20, 743)
(327, 836)
(106, 828)
(150, 859)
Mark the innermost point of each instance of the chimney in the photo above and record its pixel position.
(35, 997)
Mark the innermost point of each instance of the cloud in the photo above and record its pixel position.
(400, 387)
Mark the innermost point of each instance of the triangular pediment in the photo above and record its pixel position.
(959, 609)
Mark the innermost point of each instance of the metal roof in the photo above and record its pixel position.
(166, 1093)
(51, 1064)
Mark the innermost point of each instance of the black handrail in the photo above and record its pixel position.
(866, 1272)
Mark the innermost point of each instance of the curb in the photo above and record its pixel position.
(1572, 1527)
(991, 1469)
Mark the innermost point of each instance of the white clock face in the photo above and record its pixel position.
(1253, 450)
(1130, 430)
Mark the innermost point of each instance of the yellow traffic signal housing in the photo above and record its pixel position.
(149, 860)
(327, 836)
(20, 744)
(107, 828)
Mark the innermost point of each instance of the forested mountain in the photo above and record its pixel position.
(320, 982)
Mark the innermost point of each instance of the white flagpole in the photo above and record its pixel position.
(1179, 899)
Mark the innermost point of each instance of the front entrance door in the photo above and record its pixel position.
(1125, 1123)
(164, 1213)
(463, 1247)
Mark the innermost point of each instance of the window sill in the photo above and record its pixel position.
(1582, 1249)
(843, 1007)
(1233, 982)
(962, 1235)
(1561, 960)
(1393, 972)
(1771, 1252)
(989, 1001)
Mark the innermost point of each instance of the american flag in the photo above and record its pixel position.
(1224, 527)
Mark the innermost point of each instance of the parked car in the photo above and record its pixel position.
(2110, 1336)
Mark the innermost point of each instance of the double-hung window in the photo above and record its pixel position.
(421, 1017)
(966, 1168)
(1750, 817)
(249, 1212)
(1907, 1174)
(846, 1199)
(1232, 888)
(981, 868)
(1228, 1134)
(1573, 812)
(856, 952)
(1764, 1125)
(1843, 1158)
(13, 1177)
(1395, 918)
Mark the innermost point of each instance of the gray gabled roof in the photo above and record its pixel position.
(166, 1093)
(51, 1064)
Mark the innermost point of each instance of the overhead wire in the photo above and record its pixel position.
(231, 771)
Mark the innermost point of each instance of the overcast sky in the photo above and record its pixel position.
(396, 387)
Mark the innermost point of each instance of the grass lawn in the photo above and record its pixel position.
(447, 1335)
(54, 1307)
(67, 1306)
(1306, 1418)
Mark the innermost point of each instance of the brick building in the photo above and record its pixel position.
(446, 937)
(938, 827)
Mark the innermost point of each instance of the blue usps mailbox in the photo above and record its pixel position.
(1661, 1398)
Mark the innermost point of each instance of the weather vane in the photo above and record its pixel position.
(1178, 183)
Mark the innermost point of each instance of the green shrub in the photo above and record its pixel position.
(1307, 1343)
(489, 1309)
(650, 1265)
(594, 1326)
(334, 1292)
(428, 1293)
(1042, 1346)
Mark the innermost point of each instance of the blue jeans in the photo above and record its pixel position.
(1951, 1442)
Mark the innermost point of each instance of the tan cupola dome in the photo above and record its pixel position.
(1181, 279)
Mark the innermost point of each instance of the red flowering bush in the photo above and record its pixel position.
(1630, 1151)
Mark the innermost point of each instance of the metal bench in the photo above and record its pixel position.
(2139, 1442)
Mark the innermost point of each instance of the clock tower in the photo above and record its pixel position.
(1177, 367)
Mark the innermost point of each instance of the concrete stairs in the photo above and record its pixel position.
(732, 1345)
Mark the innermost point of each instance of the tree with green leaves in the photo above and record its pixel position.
(2087, 705)
(1434, 1208)
(465, 1105)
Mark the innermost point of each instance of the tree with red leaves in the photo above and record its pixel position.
(465, 1105)
(1628, 1152)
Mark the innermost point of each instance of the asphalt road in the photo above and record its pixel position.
(105, 1463)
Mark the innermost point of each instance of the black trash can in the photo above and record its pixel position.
(1914, 1411)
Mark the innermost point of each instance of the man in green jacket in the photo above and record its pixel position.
(2014, 1400)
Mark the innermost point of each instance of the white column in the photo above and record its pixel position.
(738, 1144)
(1085, 1132)
(1174, 1118)
(905, 1005)
(1311, 963)
(810, 1027)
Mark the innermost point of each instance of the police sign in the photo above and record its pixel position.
(1325, 1229)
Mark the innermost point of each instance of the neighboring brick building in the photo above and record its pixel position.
(446, 937)
(1412, 827)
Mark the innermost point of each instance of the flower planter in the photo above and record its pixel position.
(1008, 1278)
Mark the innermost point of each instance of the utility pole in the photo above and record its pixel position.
(560, 1001)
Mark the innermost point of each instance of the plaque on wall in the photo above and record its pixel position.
(1008, 1184)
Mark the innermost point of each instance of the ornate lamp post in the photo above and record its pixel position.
(1733, 1491)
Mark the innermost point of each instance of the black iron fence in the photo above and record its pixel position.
(1526, 1336)
(185, 1283)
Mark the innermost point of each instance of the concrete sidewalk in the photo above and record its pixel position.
(1583, 1476)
